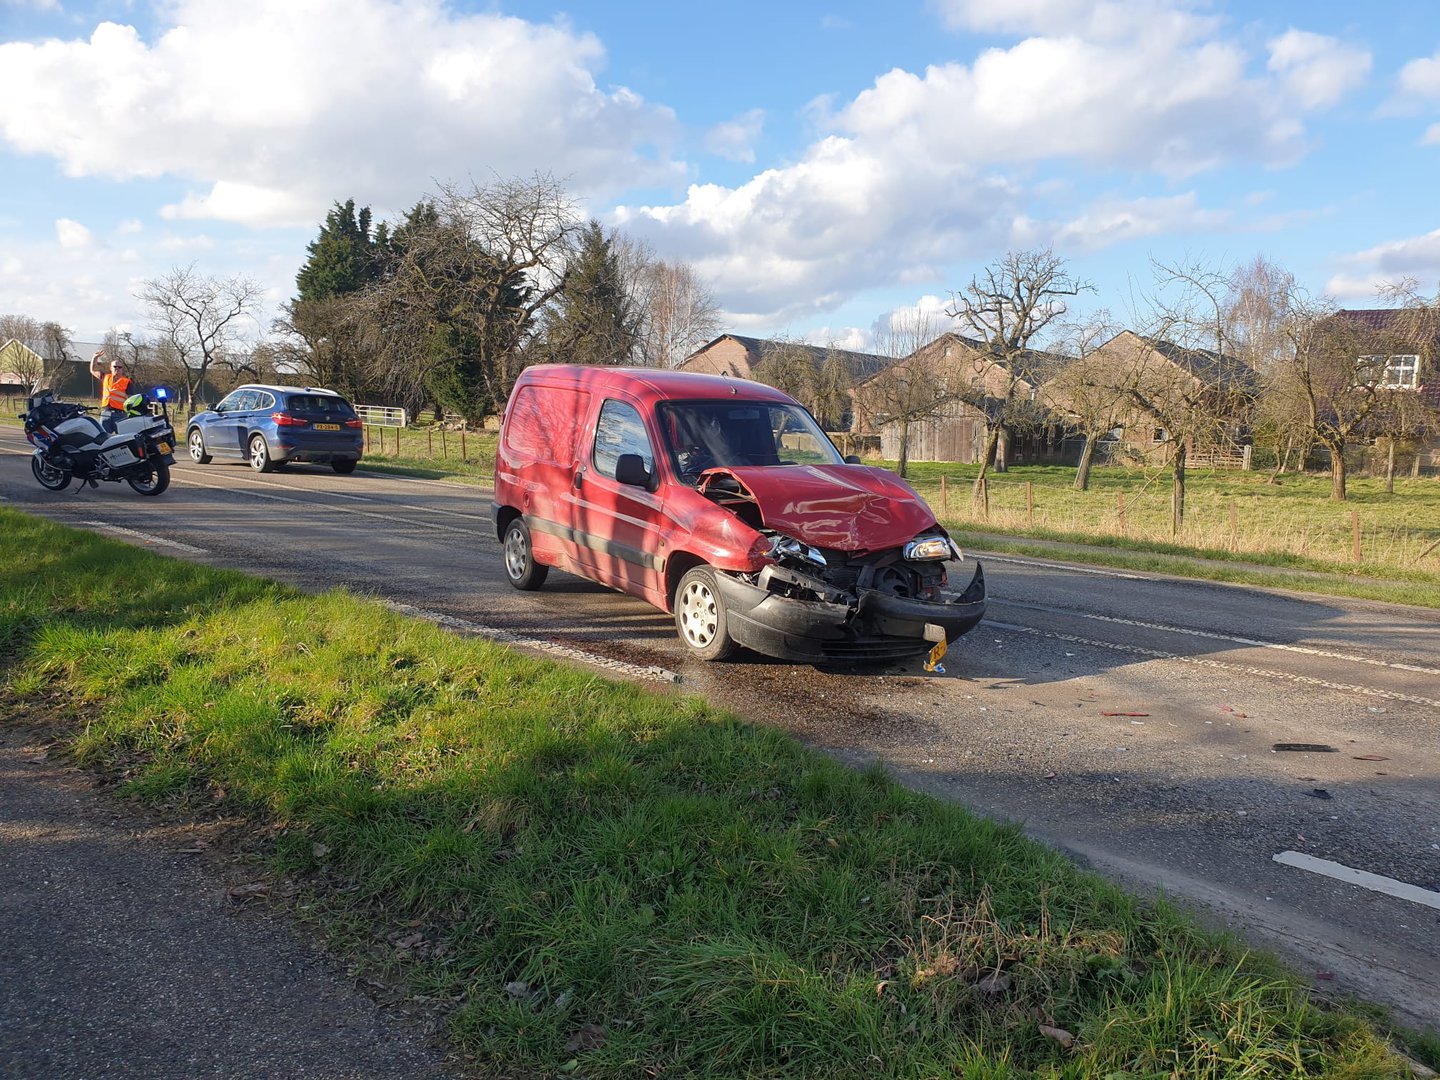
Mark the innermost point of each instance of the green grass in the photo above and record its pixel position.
(678, 892)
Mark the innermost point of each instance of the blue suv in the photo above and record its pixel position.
(275, 425)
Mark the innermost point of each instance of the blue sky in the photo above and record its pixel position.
(822, 166)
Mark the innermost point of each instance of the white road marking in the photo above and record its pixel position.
(1199, 661)
(312, 506)
(507, 637)
(1366, 880)
(1049, 564)
(354, 498)
(149, 538)
(1211, 635)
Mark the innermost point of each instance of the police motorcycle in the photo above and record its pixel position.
(69, 443)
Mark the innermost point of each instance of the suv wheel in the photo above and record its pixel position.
(197, 448)
(260, 454)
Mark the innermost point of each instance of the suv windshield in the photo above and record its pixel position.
(702, 435)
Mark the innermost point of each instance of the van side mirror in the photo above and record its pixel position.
(630, 469)
(851, 459)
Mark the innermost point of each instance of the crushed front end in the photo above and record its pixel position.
(828, 606)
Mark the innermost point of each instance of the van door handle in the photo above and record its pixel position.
(579, 476)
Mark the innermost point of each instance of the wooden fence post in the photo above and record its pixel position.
(1029, 505)
(1234, 535)
(944, 498)
(462, 446)
(444, 450)
(985, 495)
(1355, 533)
(430, 441)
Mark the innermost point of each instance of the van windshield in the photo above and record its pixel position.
(702, 435)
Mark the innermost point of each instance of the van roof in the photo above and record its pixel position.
(651, 384)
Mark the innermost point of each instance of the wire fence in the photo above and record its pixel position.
(1217, 518)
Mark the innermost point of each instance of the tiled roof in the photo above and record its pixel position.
(861, 365)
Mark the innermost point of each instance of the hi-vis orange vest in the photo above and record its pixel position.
(113, 391)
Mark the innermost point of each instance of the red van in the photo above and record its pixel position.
(724, 502)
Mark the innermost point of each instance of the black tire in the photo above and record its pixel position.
(260, 459)
(344, 466)
(701, 620)
(152, 482)
(521, 569)
(197, 447)
(48, 476)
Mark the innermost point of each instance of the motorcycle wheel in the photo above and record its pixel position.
(152, 482)
(49, 477)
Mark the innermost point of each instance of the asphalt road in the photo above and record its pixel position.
(1132, 720)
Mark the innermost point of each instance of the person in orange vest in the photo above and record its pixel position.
(114, 388)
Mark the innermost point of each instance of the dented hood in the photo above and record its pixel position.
(854, 508)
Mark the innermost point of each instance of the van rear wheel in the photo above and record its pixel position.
(700, 616)
(521, 569)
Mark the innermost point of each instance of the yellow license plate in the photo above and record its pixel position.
(327, 427)
(936, 655)
(163, 447)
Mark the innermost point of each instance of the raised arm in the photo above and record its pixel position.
(97, 364)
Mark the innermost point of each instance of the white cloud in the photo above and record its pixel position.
(926, 169)
(1364, 272)
(1318, 70)
(1111, 221)
(1106, 19)
(1421, 78)
(281, 108)
(72, 235)
(735, 139)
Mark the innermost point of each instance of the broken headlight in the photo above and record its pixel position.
(928, 548)
(785, 547)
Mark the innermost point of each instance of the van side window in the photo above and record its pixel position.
(620, 431)
(544, 423)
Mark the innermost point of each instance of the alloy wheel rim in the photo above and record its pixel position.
(197, 446)
(698, 615)
(257, 453)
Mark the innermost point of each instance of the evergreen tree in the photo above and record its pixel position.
(345, 257)
(594, 319)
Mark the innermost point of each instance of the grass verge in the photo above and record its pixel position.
(595, 879)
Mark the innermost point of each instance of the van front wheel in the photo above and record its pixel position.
(521, 569)
(700, 616)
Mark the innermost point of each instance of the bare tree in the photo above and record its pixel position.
(1256, 305)
(1352, 375)
(1008, 306)
(456, 310)
(918, 386)
(197, 316)
(678, 313)
(1094, 405)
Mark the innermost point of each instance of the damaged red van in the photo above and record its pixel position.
(723, 502)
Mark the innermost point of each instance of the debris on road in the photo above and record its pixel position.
(1304, 748)
(1319, 793)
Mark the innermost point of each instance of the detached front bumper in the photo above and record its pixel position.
(872, 627)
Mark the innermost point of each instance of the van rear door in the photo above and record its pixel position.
(537, 460)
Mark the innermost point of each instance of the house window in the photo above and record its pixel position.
(1161, 435)
(1394, 372)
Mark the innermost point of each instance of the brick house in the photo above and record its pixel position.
(961, 371)
(1407, 352)
(1192, 383)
